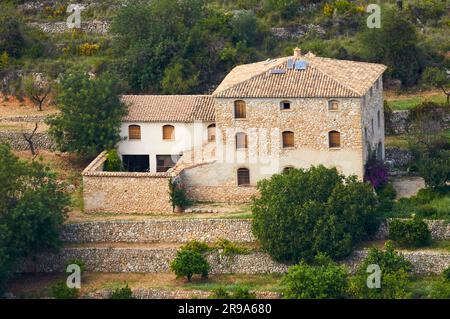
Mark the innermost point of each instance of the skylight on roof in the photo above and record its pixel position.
(277, 71)
(301, 65)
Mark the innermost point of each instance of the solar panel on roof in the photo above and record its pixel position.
(277, 71)
(290, 64)
(301, 65)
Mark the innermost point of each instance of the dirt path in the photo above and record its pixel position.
(407, 186)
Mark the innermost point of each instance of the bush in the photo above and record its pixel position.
(409, 233)
(440, 290)
(394, 275)
(239, 293)
(113, 162)
(188, 263)
(386, 195)
(436, 170)
(325, 280)
(426, 211)
(197, 246)
(230, 249)
(306, 212)
(376, 172)
(122, 293)
(446, 274)
(178, 195)
(61, 291)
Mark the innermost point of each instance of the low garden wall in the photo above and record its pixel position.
(123, 192)
(166, 231)
(221, 194)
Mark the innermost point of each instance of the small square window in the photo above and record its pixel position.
(285, 105)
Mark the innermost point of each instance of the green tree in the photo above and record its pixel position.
(188, 263)
(33, 207)
(395, 45)
(113, 162)
(12, 39)
(438, 78)
(176, 81)
(394, 278)
(91, 113)
(304, 212)
(323, 280)
(409, 233)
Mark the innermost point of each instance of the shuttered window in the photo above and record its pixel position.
(288, 139)
(243, 177)
(334, 138)
(333, 105)
(239, 110)
(134, 132)
(241, 141)
(168, 132)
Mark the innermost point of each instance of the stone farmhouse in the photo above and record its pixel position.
(264, 118)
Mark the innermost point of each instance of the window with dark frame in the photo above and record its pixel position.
(243, 177)
(288, 139)
(239, 110)
(333, 105)
(134, 132)
(334, 138)
(285, 105)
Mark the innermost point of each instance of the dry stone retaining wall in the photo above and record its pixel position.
(18, 142)
(168, 231)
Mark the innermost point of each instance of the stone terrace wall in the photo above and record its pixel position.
(122, 192)
(18, 142)
(157, 260)
(221, 194)
(167, 231)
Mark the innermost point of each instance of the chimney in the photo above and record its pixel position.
(297, 53)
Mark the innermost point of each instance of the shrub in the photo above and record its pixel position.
(440, 289)
(409, 233)
(446, 274)
(376, 172)
(394, 275)
(325, 280)
(178, 195)
(122, 293)
(436, 170)
(386, 195)
(61, 291)
(113, 162)
(188, 263)
(426, 211)
(306, 212)
(88, 49)
(238, 293)
(197, 246)
(228, 248)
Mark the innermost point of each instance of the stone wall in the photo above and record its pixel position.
(123, 192)
(157, 260)
(18, 142)
(221, 194)
(167, 231)
(398, 157)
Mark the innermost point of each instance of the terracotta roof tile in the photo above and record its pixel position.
(169, 108)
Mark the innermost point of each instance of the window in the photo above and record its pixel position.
(380, 151)
(334, 139)
(287, 169)
(285, 105)
(333, 105)
(379, 119)
(371, 123)
(377, 85)
(371, 91)
(288, 139)
(239, 110)
(243, 177)
(134, 132)
(241, 141)
(168, 132)
(165, 162)
(212, 133)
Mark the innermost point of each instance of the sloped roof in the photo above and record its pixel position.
(323, 77)
(169, 108)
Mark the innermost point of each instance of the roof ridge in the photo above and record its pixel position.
(252, 77)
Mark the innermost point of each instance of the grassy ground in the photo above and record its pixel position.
(39, 285)
(407, 101)
(400, 141)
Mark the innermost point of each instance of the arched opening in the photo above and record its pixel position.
(211, 132)
(239, 109)
(288, 139)
(380, 151)
(241, 141)
(168, 132)
(243, 177)
(334, 139)
(134, 132)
